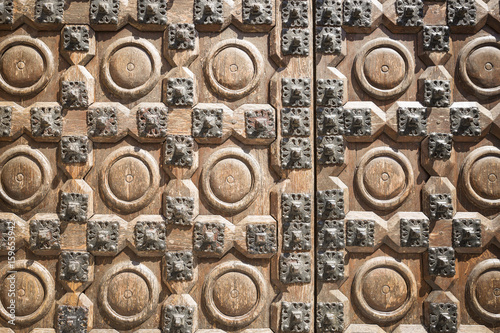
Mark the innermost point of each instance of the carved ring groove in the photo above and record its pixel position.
(471, 286)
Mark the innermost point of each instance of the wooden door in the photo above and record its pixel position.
(249, 166)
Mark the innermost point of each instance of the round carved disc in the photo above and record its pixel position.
(29, 293)
(130, 67)
(384, 289)
(233, 68)
(235, 294)
(22, 66)
(21, 177)
(128, 294)
(484, 177)
(384, 68)
(488, 291)
(230, 180)
(129, 178)
(483, 66)
(384, 178)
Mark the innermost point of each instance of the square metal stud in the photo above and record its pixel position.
(260, 124)
(207, 123)
(329, 13)
(440, 145)
(442, 261)
(6, 227)
(466, 233)
(104, 11)
(329, 92)
(74, 149)
(295, 153)
(76, 38)
(295, 122)
(330, 149)
(46, 121)
(360, 233)
(181, 36)
(295, 41)
(179, 150)
(414, 232)
(443, 317)
(331, 235)
(437, 93)
(465, 121)
(74, 207)
(179, 210)
(74, 94)
(294, 13)
(330, 317)
(358, 122)
(295, 268)
(5, 120)
(179, 266)
(6, 12)
(441, 206)
(152, 122)
(102, 236)
(295, 317)
(296, 236)
(436, 38)
(261, 238)
(45, 234)
(152, 11)
(462, 12)
(102, 122)
(74, 266)
(208, 237)
(257, 12)
(208, 12)
(296, 92)
(150, 236)
(72, 319)
(49, 11)
(330, 266)
(410, 12)
(329, 40)
(178, 319)
(412, 121)
(330, 121)
(180, 91)
(358, 13)
(330, 204)
(296, 207)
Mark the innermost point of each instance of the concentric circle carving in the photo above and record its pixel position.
(384, 289)
(129, 179)
(231, 179)
(25, 176)
(234, 68)
(34, 291)
(479, 65)
(480, 176)
(482, 290)
(234, 293)
(131, 67)
(384, 178)
(129, 294)
(26, 65)
(384, 68)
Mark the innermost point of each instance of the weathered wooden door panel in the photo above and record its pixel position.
(249, 166)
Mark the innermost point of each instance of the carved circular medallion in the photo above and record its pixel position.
(482, 290)
(384, 178)
(26, 65)
(129, 179)
(480, 176)
(234, 68)
(231, 179)
(234, 293)
(129, 293)
(34, 291)
(384, 289)
(131, 67)
(479, 65)
(25, 176)
(384, 68)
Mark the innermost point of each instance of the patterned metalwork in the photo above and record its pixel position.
(442, 261)
(296, 207)
(74, 149)
(330, 266)
(414, 232)
(295, 268)
(295, 122)
(360, 233)
(261, 238)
